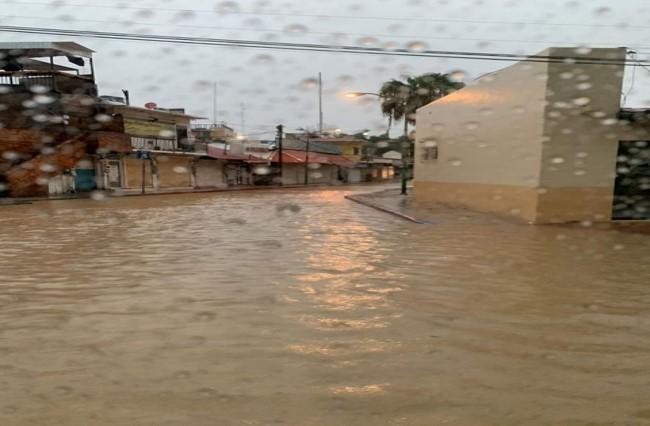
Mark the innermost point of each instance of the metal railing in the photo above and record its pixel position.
(49, 81)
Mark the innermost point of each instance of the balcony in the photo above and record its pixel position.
(43, 82)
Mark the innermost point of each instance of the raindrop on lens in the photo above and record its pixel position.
(457, 76)
(295, 29)
(226, 7)
(98, 195)
(180, 169)
(416, 46)
(103, 118)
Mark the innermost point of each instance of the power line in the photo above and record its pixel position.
(275, 30)
(325, 47)
(329, 16)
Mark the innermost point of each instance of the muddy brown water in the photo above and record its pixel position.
(303, 308)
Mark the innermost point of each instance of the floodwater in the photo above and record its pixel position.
(302, 308)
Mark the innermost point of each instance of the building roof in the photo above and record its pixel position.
(300, 157)
(345, 140)
(220, 154)
(34, 65)
(118, 108)
(314, 146)
(44, 49)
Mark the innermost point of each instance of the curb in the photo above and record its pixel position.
(381, 208)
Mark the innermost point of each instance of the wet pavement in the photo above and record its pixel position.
(299, 307)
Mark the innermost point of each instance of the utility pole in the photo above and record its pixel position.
(143, 173)
(281, 159)
(307, 160)
(243, 119)
(406, 149)
(214, 105)
(320, 103)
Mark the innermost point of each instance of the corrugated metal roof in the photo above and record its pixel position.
(220, 154)
(300, 157)
(314, 146)
(41, 49)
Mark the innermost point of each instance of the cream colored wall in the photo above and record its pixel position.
(582, 135)
(487, 133)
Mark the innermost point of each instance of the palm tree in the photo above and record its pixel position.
(401, 99)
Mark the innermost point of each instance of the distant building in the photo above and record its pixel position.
(543, 141)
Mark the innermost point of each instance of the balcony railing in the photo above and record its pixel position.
(49, 81)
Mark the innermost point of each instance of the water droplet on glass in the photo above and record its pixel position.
(457, 76)
(314, 166)
(38, 88)
(98, 195)
(180, 169)
(390, 45)
(263, 59)
(40, 118)
(582, 101)
(103, 118)
(472, 125)
(226, 7)
(416, 46)
(10, 155)
(603, 12)
(262, 170)
(165, 133)
(44, 99)
(48, 168)
(583, 50)
(557, 160)
(368, 41)
(566, 75)
(455, 162)
(295, 29)
(609, 122)
(309, 83)
(583, 86)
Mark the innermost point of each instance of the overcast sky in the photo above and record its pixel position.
(274, 85)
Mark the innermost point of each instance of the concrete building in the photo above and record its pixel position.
(51, 132)
(542, 141)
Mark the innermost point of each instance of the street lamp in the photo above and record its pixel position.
(353, 95)
(405, 155)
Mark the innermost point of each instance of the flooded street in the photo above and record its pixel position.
(302, 308)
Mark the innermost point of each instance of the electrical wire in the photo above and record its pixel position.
(329, 16)
(324, 47)
(275, 30)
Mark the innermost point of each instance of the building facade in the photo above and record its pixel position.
(537, 140)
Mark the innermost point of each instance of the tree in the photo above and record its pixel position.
(401, 99)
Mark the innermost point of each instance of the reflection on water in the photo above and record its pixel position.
(301, 308)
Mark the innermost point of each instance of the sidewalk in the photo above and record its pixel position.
(404, 206)
(392, 202)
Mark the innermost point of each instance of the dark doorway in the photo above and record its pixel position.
(632, 188)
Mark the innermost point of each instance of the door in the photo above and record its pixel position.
(85, 179)
(114, 174)
(632, 187)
